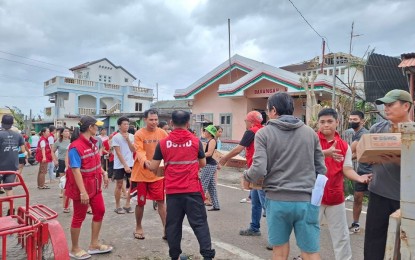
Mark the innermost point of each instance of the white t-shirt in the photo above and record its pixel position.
(51, 140)
(42, 144)
(348, 158)
(119, 140)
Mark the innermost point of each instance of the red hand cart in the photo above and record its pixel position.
(38, 232)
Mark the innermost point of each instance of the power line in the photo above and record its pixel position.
(305, 19)
(32, 65)
(56, 65)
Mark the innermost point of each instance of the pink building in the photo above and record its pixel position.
(224, 99)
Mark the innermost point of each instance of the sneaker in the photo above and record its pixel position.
(245, 200)
(128, 210)
(354, 228)
(119, 211)
(249, 232)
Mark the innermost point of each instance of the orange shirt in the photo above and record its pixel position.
(145, 143)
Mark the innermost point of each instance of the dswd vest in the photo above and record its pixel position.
(90, 168)
(48, 151)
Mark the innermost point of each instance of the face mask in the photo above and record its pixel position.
(354, 125)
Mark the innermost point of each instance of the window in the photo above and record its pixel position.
(109, 79)
(309, 73)
(342, 71)
(314, 72)
(226, 124)
(337, 71)
(138, 107)
(331, 72)
(126, 80)
(325, 72)
(100, 78)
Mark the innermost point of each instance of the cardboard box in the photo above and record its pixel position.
(236, 162)
(372, 146)
(257, 185)
(160, 170)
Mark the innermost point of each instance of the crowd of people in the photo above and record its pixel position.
(283, 156)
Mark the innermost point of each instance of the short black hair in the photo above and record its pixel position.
(180, 117)
(328, 112)
(52, 128)
(218, 127)
(358, 113)
(122, 119)
(162, 124)
(131, 129)
(150, 111)
(283, 103)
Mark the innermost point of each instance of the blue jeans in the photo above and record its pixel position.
(258, 203)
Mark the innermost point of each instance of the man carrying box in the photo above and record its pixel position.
(253, 122)
(385, 188)
(288, 154)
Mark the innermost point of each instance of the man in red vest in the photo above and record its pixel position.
(338, 160)
(253, 121)
(183, 155)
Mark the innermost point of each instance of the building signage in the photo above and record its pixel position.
(266, 91)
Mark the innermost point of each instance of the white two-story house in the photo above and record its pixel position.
(98, 88)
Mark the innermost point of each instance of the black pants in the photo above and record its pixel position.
(192, 205)
(377, 222)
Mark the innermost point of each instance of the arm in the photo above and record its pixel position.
(80, 183)
(54, 148)
(127, 168)
(141, 155)
(319, 163)
(353, 146)
(130, 144)
(234, 152)
(350, 173)
(157, 157)
(154, 165)
(211, 149)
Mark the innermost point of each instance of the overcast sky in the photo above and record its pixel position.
(176, 42)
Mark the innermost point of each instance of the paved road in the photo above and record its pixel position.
(225, 224)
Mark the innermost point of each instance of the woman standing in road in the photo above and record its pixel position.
(83, 186)
(208, 172)
(62, 146)
(43, 156)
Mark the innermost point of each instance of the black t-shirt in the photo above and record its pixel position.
(10, 143)
(159, 156)
(248, 138)
(209, 159)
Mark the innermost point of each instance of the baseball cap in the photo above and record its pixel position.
(89, 120)
(7, 121)
(211, 129)
(254, 117)
(395, 95)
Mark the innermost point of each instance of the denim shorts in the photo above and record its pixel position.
(283, 216)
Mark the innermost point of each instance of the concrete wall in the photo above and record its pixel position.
(87, 101)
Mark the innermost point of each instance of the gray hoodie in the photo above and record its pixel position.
(288, 154)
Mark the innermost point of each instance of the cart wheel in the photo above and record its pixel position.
(56, 247)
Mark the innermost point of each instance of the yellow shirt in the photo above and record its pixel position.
(145, 143)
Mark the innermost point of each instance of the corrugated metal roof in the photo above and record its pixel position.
(407, 63)
(381, 75)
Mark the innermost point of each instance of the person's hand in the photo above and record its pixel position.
(366, 178)
(106, 180)
(84, 198)
(126, 136)
(244, 183)
(222, 161)
(147, 164)
(43, 159)
(391, 158)
(334, 153)
(218, 166)
(127, 169)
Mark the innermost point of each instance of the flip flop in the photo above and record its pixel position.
(101, 250)
(80, 255)
(139, 236)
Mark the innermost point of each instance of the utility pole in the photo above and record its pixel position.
(157, 94)
(350, 52)
(229, 49)
(333, 90)
(322, 56)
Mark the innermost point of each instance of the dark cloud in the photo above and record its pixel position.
(176, 42)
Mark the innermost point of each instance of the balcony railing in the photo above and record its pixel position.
(87, 111)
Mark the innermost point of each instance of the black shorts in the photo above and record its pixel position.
(61, 166)
(9, 178)
(120, 174)
(22, 160)
(360, 187)
(110, 169)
